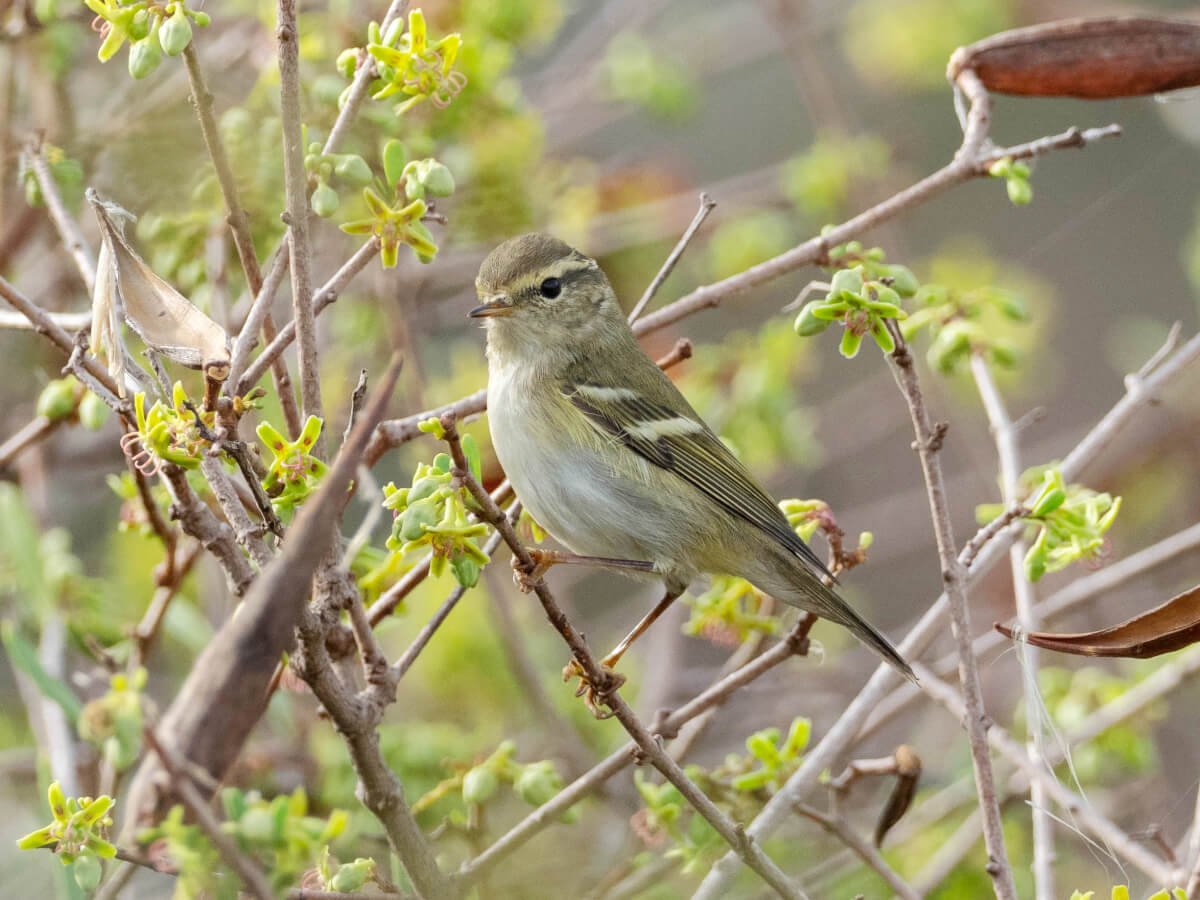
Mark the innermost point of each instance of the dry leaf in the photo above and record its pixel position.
(127, 289)
(1117, 56)
(1164, 629)
(908, 773)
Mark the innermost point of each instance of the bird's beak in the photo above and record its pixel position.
(497, 305)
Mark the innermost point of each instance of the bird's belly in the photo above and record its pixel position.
(572, 490)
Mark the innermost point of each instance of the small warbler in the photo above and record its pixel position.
(608, 456)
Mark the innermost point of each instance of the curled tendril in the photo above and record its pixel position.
(139, 454)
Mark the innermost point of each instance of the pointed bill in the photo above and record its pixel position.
(127, 289)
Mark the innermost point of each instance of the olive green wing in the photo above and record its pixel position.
(680, 442)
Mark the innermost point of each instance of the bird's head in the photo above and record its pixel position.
(540, 297)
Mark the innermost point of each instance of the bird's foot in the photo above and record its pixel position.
(527, 581)
(595, 695)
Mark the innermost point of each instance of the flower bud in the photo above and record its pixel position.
(202, 18)
(466, 570)
(538, 783)
(324, 200)
(87, 871)
(347, 62)
(846, 281)
(807, 324)
(350, 877)
(139, 25)
(479, 784)
(395, 158)
(57, 400)
(93, 412)
(176, 33)
(1020, 191)
(144, 57)
(415, 518)
(438, 180)
(354, 169)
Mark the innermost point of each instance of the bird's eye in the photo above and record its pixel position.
(550, 288)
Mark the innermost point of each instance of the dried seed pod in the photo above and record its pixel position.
(1100, 58)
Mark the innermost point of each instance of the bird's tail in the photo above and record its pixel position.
(823, 600)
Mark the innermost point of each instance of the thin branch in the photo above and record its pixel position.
(707, 204)
(979, 540)
(36, 429)
(841, 829)
(253, 879)
(72, 322)
(45, 324)
(198, 521)
(1008, 452)
(954, 577)
(68, 228)
(327, 294)
(296, 188)
(245, 531)
(182, 561)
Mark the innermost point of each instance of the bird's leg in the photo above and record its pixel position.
(544, 559)
(592, 692)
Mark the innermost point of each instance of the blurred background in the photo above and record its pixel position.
(601, 122)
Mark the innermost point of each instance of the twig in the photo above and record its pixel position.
(928, 437)
(245, 531)
(296, 187)
(404, 663)
(706, 206)
(356, 402)
(252, 876)
(1008, 452)
(45, 324)
(966, 558)
(1101, 827)
(324, 296)
(36, 429)
(255, 321)
(840, 829)
(182, 561)
(198, 521)
(68, 321)
(68, 228)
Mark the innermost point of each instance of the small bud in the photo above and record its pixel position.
(93, 412)
(538, 783)
(57, 400)
(466, 570)
(415, 518)
(200, 18)
(144, 57)
(87, 871)
(139, 25)
(354, 169)
(808, 324)
(395, 158)
(479, 784)
(347, 62)
(1020, 191)
(324, 200)
(350, 877)
(176, 33)
(846, 281)
(438, 180)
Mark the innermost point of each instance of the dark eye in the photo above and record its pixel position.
(551, 288)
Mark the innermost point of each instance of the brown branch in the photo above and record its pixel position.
(327, 294)
(36, 429)
(198, 521)
(841, 829)
(224, 694)
(181, 562)
(795, 643)
(296, 186)
(954, 578)
(602, 681)
(44, 323)
(68, 228)
(245, 531)
(253, 878)
(707, 204)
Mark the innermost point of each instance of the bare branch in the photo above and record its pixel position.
(841, 829)
(253, 879)
(68, 228)
(707, 204)
(36, 429)
(295, 183)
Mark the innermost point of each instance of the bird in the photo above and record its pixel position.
(609, 457)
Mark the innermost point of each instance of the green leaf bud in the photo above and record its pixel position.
(199, 17)
(350, 877)
(1005, 354)
(347, 62)
(904, 282)
(144, 57)
(1048, 502)
(176, 33)
(139, 25)
(324, 200)
(846, 281)
(808, 324)
(1012, 306)
(479, 784)
(416, 517)
(538, 783)
(751, 781)
(57, 399)
(1020, 191)
(395, 158)
(425, 487)
(438, 180)
(466, 570)
(257, 825)
(354, 169)
(87, 871)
